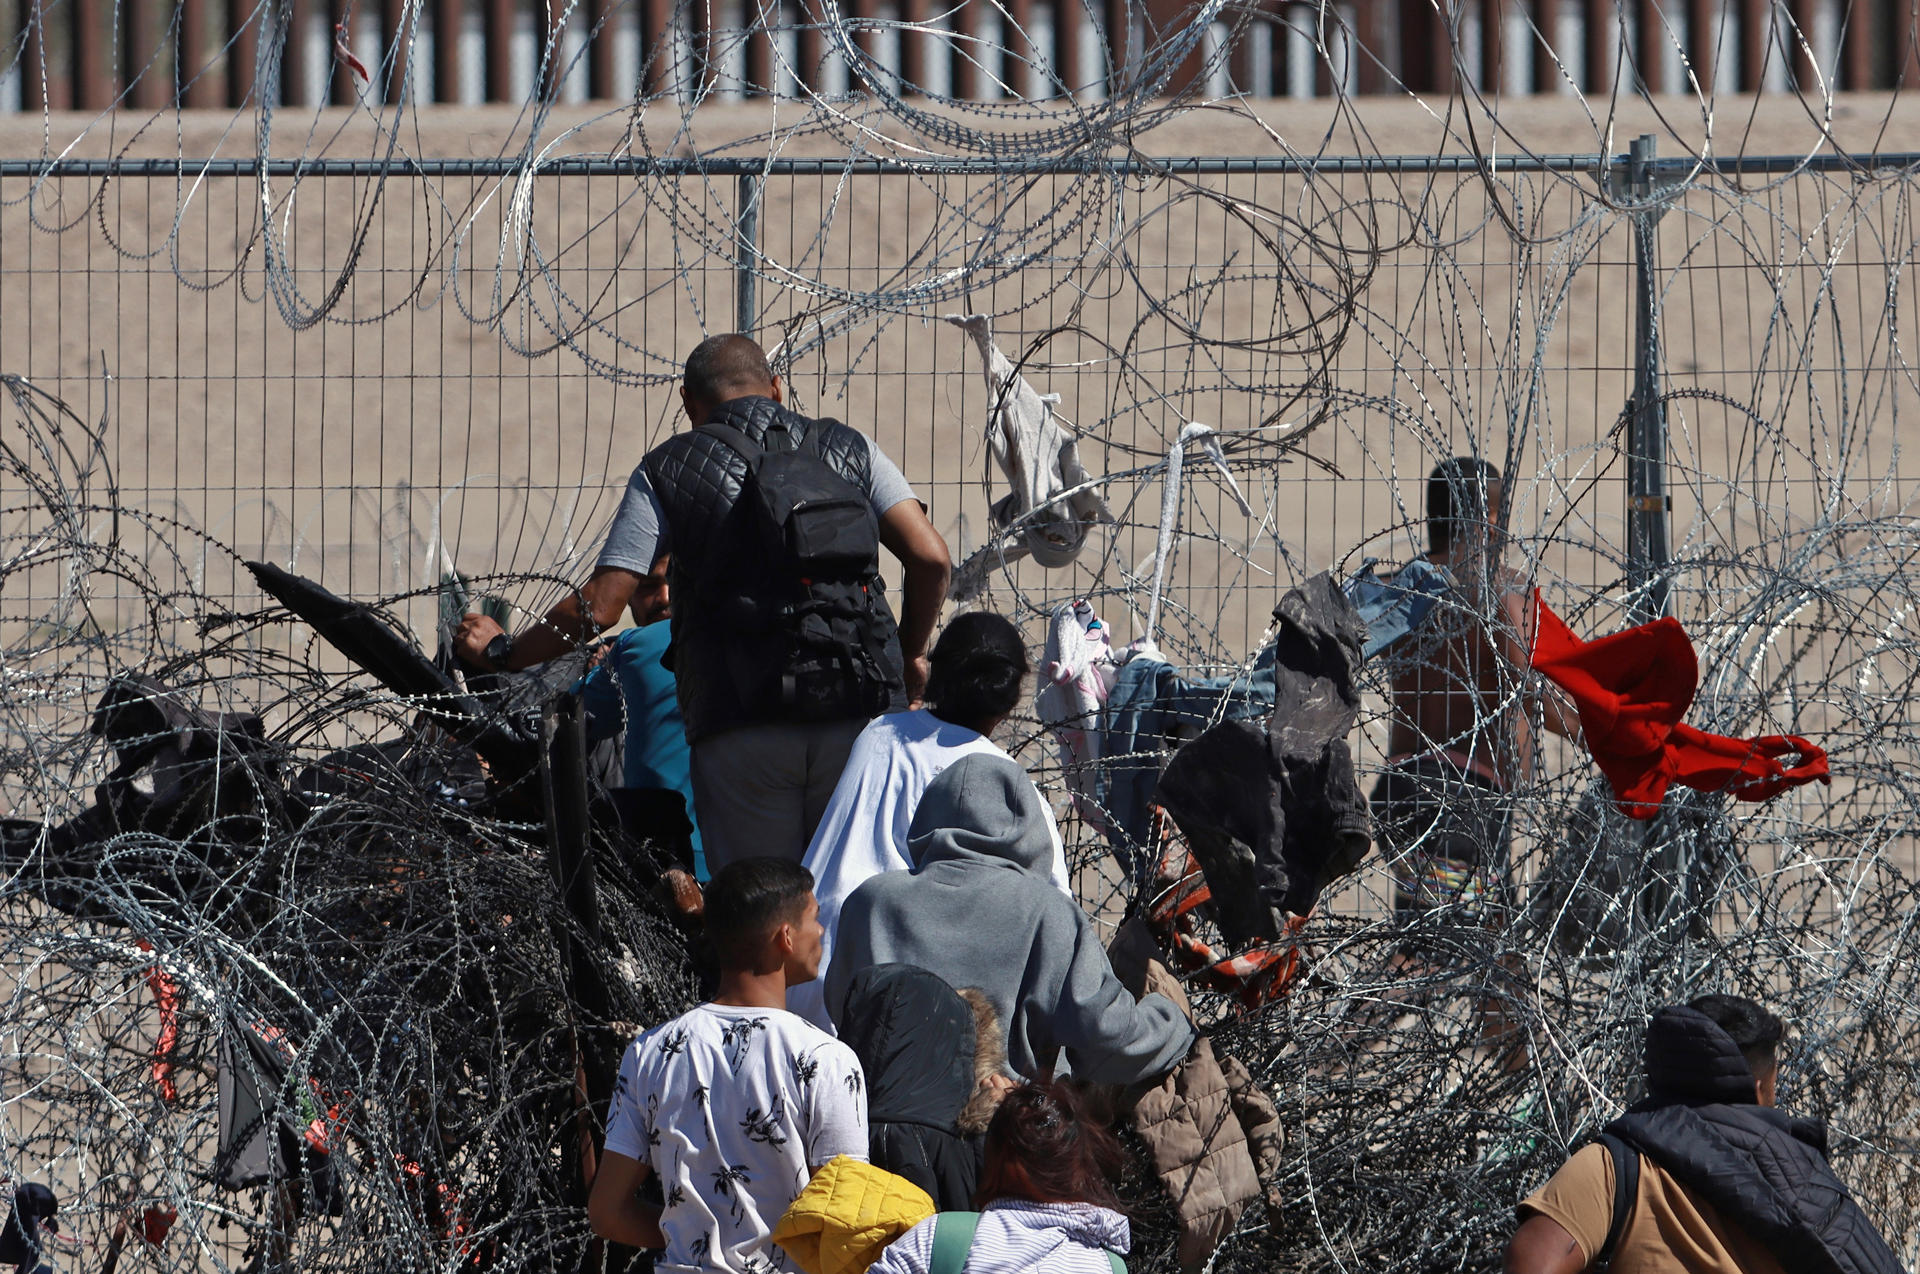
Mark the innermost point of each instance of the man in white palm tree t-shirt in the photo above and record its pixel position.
(734, 1105)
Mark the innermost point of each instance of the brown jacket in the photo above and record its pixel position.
(1214, 1136)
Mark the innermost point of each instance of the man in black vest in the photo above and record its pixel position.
(1704, 1175)
(770, 729)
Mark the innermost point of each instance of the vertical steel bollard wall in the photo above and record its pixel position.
(746, 256)
(1649, 547)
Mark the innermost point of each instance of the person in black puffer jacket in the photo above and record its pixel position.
(935, 1062)
(1720, 1180)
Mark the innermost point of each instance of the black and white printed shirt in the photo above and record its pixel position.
(733, 1109)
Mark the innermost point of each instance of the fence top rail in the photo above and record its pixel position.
(686, 166)
(680, 166)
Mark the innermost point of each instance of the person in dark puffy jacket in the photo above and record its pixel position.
(935, 1063)
(1716, 1180)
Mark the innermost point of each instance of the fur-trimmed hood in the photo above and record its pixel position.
(989, 1064)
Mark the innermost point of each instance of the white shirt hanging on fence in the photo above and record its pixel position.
(1052, 502)
(1076, 673)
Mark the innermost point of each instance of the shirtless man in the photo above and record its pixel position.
(1460, 739)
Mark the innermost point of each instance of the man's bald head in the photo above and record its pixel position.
(727, 367)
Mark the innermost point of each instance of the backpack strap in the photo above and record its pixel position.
(952, 1240)
(1119, 1263)
(1626, 1190)
(750, 451)
(736, 441)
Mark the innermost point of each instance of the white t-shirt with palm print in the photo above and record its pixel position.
(733, 1109)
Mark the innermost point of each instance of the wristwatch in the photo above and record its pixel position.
(499, 651)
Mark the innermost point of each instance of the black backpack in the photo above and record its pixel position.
(806, 553)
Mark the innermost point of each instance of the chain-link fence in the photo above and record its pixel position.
(385, 373)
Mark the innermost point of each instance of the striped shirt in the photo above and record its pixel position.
(1017, 1237)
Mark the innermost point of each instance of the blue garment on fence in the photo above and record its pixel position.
(632, 689)
(1395, 606)
(1151, 710)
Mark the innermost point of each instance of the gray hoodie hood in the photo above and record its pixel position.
(981, 811)
(979, 909)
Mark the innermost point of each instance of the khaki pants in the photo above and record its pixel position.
(760, 790)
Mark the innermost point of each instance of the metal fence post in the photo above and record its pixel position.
(746, 259)
(1648, 504)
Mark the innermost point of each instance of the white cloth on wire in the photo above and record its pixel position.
(1208, 438)
(1052, 502)
(1075, 676)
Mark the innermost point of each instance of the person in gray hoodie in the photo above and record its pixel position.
(979, 910)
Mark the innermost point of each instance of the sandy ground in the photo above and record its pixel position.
(431, 406)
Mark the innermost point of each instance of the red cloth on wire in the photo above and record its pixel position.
(1631, 689)
(166, 994)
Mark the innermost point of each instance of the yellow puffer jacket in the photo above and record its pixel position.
(847, 1215)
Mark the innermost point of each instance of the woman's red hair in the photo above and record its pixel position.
(1042, 1147)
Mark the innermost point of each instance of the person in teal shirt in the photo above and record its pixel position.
(631, 689)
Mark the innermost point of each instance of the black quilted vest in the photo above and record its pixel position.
(1765, 1172)
(698, 480)
(1761, 1169)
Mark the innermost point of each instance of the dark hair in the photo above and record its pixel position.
(726, 366)
(1456, 492)
(747, 899)
(1756, 1031)
(1043, 1147)
(978, 666)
